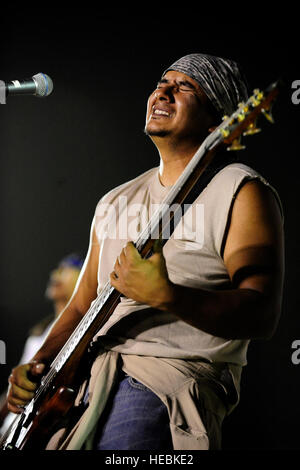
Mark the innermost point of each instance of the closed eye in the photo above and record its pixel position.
(182, 84)
(161, 82)
(186, 84)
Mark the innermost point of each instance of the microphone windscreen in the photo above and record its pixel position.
(44, 84)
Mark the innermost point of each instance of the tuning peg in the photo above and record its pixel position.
(243, 110)
(258, 93)
(236, 145)
(252, 129)
(268, 115)
(256, 98)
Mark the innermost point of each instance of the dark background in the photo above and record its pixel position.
(60, 154)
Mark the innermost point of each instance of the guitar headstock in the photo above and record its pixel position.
(243, 120)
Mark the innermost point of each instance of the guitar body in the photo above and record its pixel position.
(47, 418)
(48, 412)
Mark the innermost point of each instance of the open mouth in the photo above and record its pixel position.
(159, 112)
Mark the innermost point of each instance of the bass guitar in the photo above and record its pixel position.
(56, 393)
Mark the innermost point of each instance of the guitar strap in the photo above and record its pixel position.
(220, 161)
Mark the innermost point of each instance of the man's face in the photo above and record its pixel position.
(178, 108)
(62, 283)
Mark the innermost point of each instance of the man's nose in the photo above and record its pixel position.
(165, 93)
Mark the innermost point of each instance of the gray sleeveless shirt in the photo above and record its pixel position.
(193, 258)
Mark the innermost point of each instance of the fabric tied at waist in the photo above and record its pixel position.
(185, 387)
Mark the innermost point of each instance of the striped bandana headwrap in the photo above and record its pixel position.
(220, 79)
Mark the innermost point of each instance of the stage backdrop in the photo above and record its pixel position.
(60, 154)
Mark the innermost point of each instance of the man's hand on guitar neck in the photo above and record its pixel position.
(23, 382)
(143, 280)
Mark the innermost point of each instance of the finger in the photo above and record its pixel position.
(157, 251)
(122, 257)
(34, 374)
(37, 368)
(19, 396)
(19, 376)
(15, 408)
(113, 279)
(158, 246)
(131, 251)
(116, 270)
(157, 258)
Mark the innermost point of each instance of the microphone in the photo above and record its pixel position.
(39, 85)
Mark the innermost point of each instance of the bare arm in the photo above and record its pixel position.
(21, 389)
(84, 293)
(254, 258)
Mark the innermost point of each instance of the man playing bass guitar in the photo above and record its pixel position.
(169, 361)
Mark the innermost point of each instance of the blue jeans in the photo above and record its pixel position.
(134, 419)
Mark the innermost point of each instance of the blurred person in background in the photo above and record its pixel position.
(61, 284)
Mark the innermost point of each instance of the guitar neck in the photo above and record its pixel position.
(144, 244)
